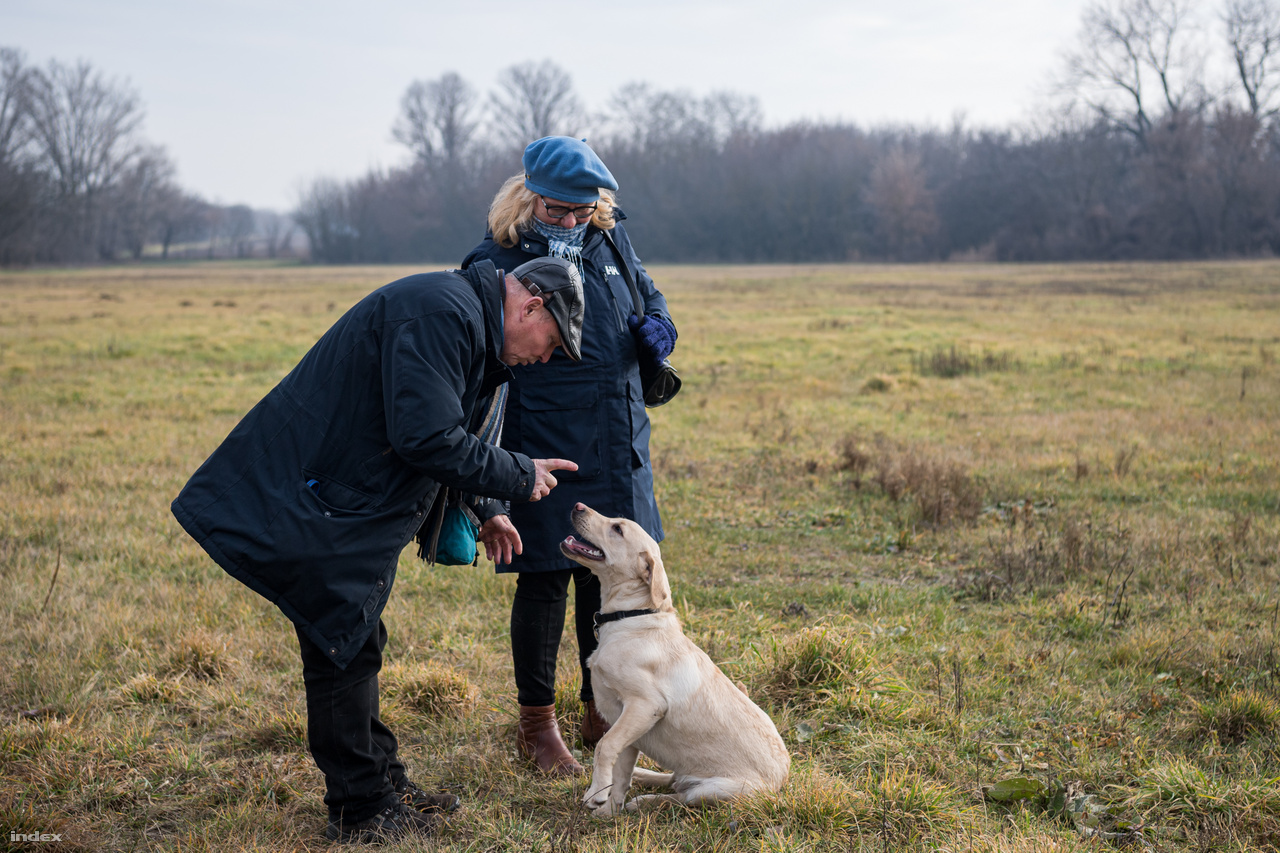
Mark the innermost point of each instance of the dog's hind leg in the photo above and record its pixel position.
(651, 778)
(694, 792)
(651, 801)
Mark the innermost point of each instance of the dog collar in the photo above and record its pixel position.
(601, 618)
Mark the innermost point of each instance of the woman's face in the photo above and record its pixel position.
(570, 215)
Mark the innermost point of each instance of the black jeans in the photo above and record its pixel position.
(353, 749)
(537, 621)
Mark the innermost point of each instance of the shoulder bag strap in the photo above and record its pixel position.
(490, 432)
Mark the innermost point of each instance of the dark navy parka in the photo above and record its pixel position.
(311, 498)
(591, 412)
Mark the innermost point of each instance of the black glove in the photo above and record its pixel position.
(655, 338)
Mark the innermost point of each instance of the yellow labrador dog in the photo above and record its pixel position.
(661, 693)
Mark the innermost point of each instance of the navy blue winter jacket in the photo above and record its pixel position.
(591, 412)
(311, 498)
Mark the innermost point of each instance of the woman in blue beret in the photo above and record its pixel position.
(561, 205)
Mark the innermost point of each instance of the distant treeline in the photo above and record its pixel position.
(1195, 186)
(1139, 153)
(78, 183)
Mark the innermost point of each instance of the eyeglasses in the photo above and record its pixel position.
(560, 211)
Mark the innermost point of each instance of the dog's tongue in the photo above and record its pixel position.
(583, 548)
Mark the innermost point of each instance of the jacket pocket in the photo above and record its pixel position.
(379, 462)
(623, 304)
(332, 498)
(562, 421)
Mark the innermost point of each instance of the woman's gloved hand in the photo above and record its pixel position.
(655, 338)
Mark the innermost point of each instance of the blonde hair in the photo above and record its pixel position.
(512, 211)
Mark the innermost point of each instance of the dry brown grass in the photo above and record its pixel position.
(1065, 569)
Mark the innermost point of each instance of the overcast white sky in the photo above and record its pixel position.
(252, 98)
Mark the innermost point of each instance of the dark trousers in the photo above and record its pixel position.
(353, 749)
(537, 621)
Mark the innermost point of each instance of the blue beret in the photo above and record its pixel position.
(565, 169)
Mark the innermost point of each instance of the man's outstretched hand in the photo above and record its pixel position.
(546, 481)
(501, 540)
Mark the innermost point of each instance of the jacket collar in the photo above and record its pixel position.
(485, 281)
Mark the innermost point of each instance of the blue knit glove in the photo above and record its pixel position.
(655, 338)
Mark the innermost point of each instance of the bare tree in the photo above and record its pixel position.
(238, 226)
(323, 214)
(84, 129)
(730, 114)
(1128, 48)
(83, 124)
(641, 116)
(650, 119)
(17, 181)
(626, 115)
(277, 230)
(13, 111)
(535, 100)
(179, 217)
(437, 121)
(135, 202)
(1253, 33)
(215, 226)
(906, 215)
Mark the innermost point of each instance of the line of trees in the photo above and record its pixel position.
(79, 183)
(1140, 153)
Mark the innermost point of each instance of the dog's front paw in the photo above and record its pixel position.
(595, 798)
(608, 808)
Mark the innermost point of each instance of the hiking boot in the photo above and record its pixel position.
(593, 725)
(419, 800)
(538, 738)
(390, 824)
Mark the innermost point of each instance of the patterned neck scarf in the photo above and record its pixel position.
(564, 242)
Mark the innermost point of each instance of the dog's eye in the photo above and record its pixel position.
(617, 528)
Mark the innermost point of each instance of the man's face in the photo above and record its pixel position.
(529, 332)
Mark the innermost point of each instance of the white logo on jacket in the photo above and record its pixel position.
(610, 269)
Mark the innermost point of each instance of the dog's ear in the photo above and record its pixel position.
(659, 589)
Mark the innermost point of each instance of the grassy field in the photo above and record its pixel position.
(998, 548)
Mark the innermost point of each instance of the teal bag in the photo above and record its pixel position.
(453, 539)
(457, 543)
(448, 537)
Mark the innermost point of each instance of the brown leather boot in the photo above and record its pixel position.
(593, 725)
(538, 738)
